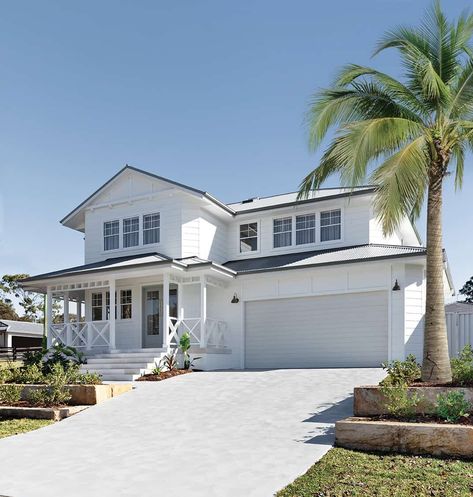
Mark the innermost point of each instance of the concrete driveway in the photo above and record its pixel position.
(213, 434)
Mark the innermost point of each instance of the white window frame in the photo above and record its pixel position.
(336, 240)
(125, 233)
(110, 236)
(291, 231)
(101, 306)
(122, 304)
(308, 244)
(258, 237)
(158, 228)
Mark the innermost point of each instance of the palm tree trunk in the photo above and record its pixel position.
(436, 363)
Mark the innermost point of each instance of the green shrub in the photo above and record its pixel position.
(55, 393)
(399, 401)
(75, 377)
(10, 394)
(401, 372)
(64, 355)
(27, 374)
(452, 406)
(462, 367)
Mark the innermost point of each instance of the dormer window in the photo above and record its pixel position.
(131, 232)
(151, 228)
(330, 225)
(249, 237)
(305, 229)
(282, 232)
(111, 235)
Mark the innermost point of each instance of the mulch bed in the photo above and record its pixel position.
(163, 375)
(465, 421)
(447, 385)
(25, 403)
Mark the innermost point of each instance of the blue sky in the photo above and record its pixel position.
(208, 93)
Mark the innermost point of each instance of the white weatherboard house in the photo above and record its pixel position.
(263, 283)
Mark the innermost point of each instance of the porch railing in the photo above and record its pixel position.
(213, 332)
(83, 335)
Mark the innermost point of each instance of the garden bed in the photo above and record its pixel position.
(370, 400)
(164, 375)
(387, 435)
(52, 413)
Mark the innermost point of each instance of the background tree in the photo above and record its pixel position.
(467, 290)
(408, 134)
(31, 302)
(7, 311)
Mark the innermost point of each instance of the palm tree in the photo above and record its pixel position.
(407, 134)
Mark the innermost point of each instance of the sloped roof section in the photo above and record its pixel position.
(21, 327)
(459, 307)
(358, 253)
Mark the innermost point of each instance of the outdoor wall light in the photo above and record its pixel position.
(235, 299)
(396, 286)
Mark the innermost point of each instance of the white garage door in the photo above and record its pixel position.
(348, 330)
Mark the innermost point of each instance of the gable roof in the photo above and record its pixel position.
(344, 255)
(21, 327)
(151, 175)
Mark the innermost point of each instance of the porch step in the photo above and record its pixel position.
(123, 366)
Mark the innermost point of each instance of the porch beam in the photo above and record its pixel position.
(165, 310)
(203, 311)
(111, 314)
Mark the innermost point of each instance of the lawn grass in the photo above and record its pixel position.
(346, 473)
(10, 427)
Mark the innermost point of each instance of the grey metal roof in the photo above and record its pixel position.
(25, 327)
(127, 262)
(459, 307)
(323, 257)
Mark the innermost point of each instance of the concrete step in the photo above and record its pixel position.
(115, 371)
(123, 355)
(114, 365)
(128, 360)
(120, 377)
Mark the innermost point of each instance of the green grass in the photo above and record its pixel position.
(346, 473)
(10, 427)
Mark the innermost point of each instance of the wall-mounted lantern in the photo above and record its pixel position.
(396, 286)
(235, 299)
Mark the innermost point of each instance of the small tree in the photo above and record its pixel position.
(467, 290)
(31, 302)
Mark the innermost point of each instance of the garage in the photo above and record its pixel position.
(346, 330)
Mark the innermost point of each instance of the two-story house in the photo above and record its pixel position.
(264, 283)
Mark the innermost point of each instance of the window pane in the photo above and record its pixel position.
(330, 225)
(249, 237)
(282, 232)
(131, 231)
(151, 228)
(97, 307)
(111, 239)
(305, 229)
(125, 304)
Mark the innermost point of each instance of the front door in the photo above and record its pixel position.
(152, 317)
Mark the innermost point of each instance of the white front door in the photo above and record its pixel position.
(152, 317)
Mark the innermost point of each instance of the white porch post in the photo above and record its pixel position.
(49, 315)
(166, 310)
(79, 309)
(203, 312)
(180, 304)
(66, 319)
(111, 316)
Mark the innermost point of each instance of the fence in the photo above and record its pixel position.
(459, 331)
(15, 353)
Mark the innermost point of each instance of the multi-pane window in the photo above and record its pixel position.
(248, 237)
(97, 301)
(131, 232)
(305, 229)
(125, 304)
(111, 236)
(107, 305)
(151, 227)
(330, 225)
(282, 232)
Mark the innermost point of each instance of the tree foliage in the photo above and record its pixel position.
(467, 291)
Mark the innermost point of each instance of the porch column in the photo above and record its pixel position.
(111, 314)
(166, 310)
(48, 316)
(180, 306)
(79, 309)
(203, 312)
(67, 326)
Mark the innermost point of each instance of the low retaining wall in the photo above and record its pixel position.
(409, 438)
(370, 401)
(84, 395)
(53, 413)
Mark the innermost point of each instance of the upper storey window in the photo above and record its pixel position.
(111, 235)
(151, 228)
(330, 225)
(131, 232)
(282, 232)
(249, 237)
(305, 229)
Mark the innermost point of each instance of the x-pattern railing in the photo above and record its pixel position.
(85, 334)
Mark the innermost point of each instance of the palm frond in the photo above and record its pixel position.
(458, 155)
(401, 182)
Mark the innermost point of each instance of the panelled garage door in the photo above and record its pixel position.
(348, 330)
